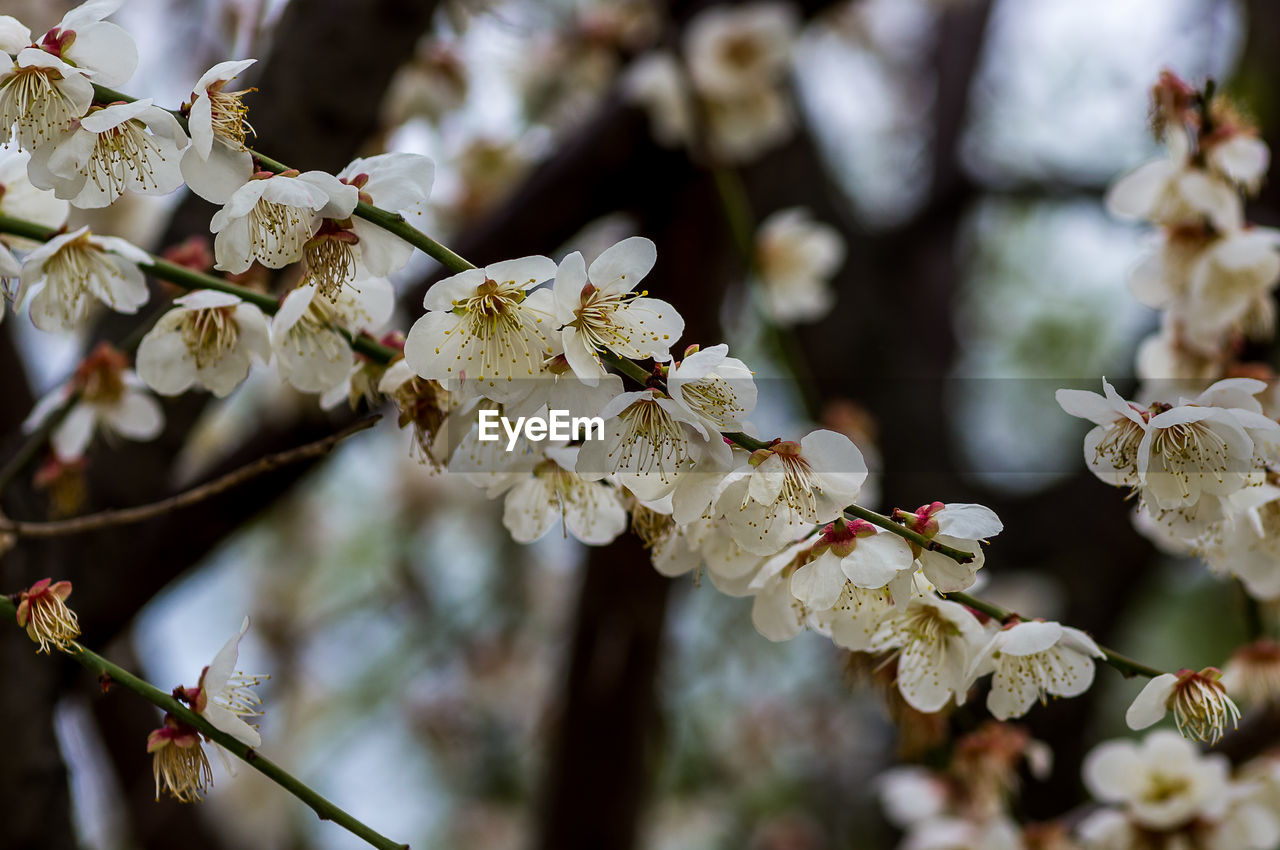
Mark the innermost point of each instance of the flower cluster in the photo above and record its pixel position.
(729, 93)
(1211, 273)
(1158, 793)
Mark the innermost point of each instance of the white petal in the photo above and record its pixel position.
(1151, 704)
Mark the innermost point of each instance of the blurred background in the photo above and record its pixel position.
(455, 689)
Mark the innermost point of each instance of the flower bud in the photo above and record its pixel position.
(43, 611)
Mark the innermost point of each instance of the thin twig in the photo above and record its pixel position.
(125, 516)
(108, 672)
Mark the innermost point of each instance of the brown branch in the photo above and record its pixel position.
(125, 516)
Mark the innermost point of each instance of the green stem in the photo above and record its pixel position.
(960, 556)
(395, 224)
(1127, 666)
(116, 675)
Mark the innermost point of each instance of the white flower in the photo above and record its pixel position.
(716, 388)
(310, 352)
(217, 163)
(741, 129)
(485, 328)
(1161, 784)
(775, 612)
(40, 97)
(1189, 450)
(912, 795)
(1229, 276)
(649, 443)
(69, 271)
(1240, 158)
(47, 85)
(853, 552)
(1200, 704)
(1206, 447)
(224, 696)
(734, 51)
(560, 389)
(589, 510)
(110, 397)
(103, 49)
(344, 249)
(935, 640)
(123, 147)
(1171, 193)
(209, 339)
(598, 311)
(783, 490)
(399, 182)
(1032, 660)
(656, 83)
(797, 258)
(270, 218)
(959, 526)
(20, 199)
(1247, 543)
(853, 621)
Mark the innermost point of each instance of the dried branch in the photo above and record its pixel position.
(125, 516)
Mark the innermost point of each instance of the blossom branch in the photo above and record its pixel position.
(112, 674)
(190, 279)
(1127, 666)
(960, 556)
(638, 374)
(125, 516)
(391, 222)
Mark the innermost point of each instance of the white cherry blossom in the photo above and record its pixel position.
(656, 82)
(1238, 157)
(46, 85)
(310, 352)
(65, 275)
(1031, 661)
(224, 696)
(1199, 702)
(553, 493)
(1169, 191)
(209, 339)
(1246, 544)
(134, 147)
(19, 198)
(598, 311)
(1162, 783)
(934, 640)
(218, 163)
(734, 51)
(1227, 279)
(271, 218)
(797, 258)
(649, 443)
(718, 389)
(783, 490)
(959, 526)
(854, 552)
(110, 399)
(400, 182)
(486, 329)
